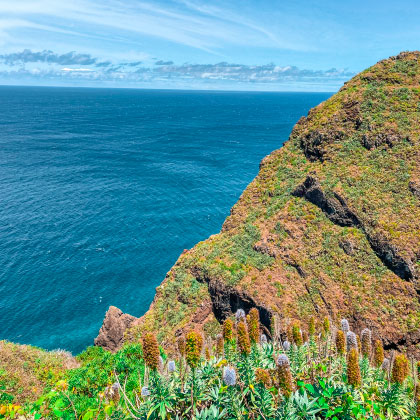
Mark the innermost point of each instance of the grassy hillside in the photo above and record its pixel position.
(330, 226)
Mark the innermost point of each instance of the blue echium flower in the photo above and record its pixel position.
(283, 360)
(345, 327)
(145, 391)
(240, 314)
(286, 345)
(351, 341)
(263, 339)
(171, 366)
(229, 376)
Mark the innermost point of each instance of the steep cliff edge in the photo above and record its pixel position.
(330, 226)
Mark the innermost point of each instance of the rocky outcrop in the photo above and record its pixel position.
(111, 334)
(329, 227)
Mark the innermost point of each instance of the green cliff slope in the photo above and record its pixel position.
(330, 226)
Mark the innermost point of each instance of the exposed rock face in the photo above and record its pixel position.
(329, 227)
(111, 334)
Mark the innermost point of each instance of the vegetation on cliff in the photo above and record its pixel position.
(227, 379)
(330, 226)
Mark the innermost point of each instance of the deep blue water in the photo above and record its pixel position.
(102, 189)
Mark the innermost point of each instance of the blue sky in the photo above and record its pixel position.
(238, 44)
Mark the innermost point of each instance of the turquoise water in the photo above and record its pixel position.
(102, 189)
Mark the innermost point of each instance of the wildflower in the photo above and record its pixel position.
(284, 375)
(366, 342)
(359, 343)
(145, 391)
(207, 353)
(219, 345)
(228, 330)
(378, 354)
(312, 326)
(240, 315)
(297, 335)
(243, 339)
(305, 337)
(229, 376)
(171, 366)
(351, 341)
(222, 363)
(326, 325)
(254, 325)
(286, 345)
(354, 376)
(340, 342)
(263, 377)
(151, 351)
(193, 347)
(263, 339)
(386, 365)
(345, 326)
(400, 369)
(181, 346)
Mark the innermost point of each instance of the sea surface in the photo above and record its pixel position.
(102, 189)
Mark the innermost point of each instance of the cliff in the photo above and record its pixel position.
(330, 226)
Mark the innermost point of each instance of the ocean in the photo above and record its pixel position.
(102, 189)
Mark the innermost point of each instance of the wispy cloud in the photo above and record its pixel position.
(47, 65)
(46, 56)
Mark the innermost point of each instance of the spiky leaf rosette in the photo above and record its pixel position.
(151, 351)
(220, 345)
(378, 354)
(193, 347)
(297, 335)
(284, 375)
(262, 376)
(254, 325)
(312, 327)
(340, 342)
(400, 369)
(366, 342)
(354, 376)
(244, 344)
(228, 329)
